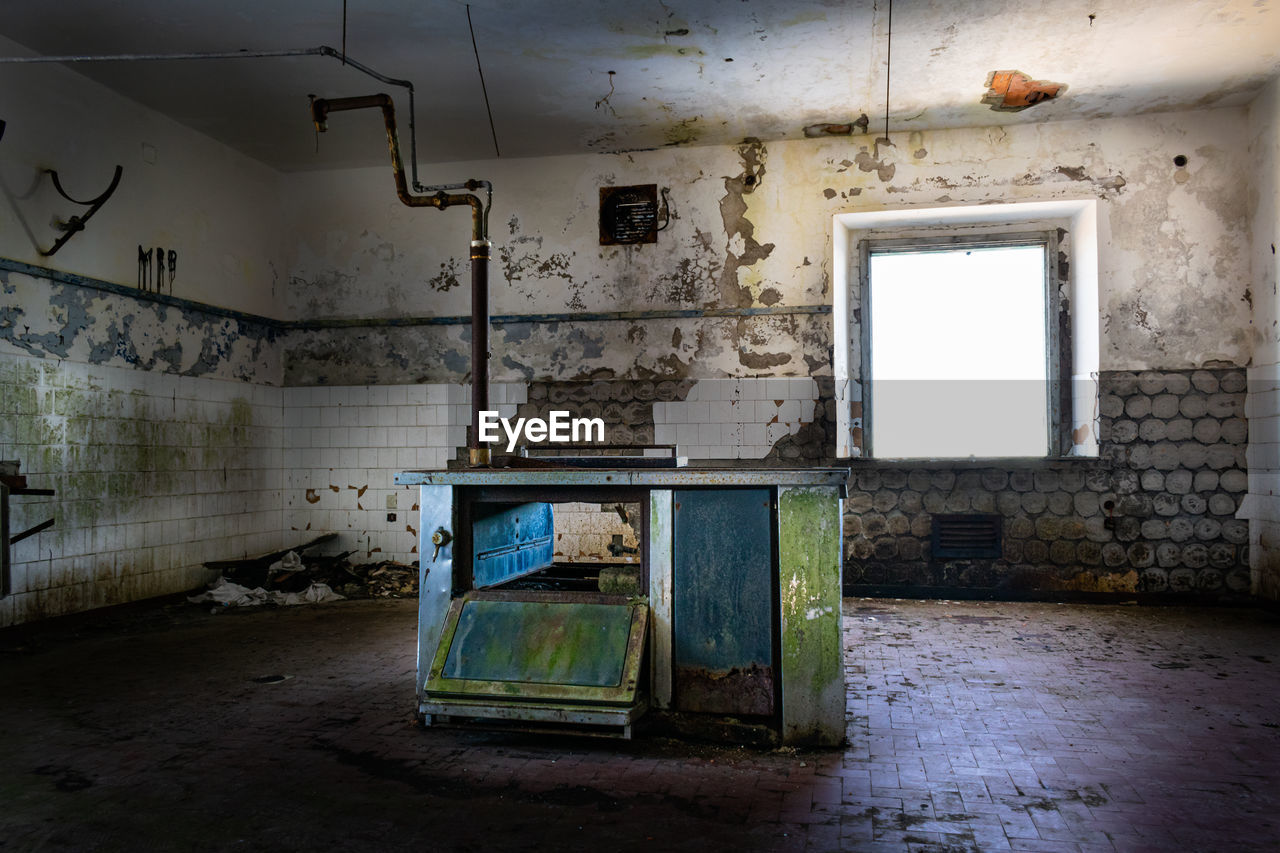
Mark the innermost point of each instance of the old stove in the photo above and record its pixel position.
(732, 609)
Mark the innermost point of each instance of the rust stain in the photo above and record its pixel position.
(312, 496)
(746, 690)
(840, 128)
(1011, 91)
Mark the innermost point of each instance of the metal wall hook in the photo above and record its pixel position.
(77, 223)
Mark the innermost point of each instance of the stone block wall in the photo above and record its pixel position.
(1155, 513)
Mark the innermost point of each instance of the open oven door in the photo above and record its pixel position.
(544, 660)
(511, 542)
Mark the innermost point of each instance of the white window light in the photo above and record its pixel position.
(959, 349)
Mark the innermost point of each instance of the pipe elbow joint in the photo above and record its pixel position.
(319, 113)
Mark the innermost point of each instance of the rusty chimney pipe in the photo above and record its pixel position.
(480, 251)
(481, 248)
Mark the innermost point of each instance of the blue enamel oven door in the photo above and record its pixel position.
(511, 542)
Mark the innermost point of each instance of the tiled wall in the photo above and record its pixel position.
(735, 418)
(157, 473)
(584, 532)
(154, 474)
(344, 445)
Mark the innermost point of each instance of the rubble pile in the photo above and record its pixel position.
(352, 580)
(287, 578)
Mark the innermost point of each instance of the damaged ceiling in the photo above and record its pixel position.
(570, 76)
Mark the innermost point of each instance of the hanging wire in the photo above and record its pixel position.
(888, 69)
(493, 130)
(344, 32)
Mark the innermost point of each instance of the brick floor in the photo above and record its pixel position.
(972, 726)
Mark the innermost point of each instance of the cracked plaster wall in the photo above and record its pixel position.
(362, 254)
(751, 228)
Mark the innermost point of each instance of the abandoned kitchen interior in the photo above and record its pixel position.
(700, 424)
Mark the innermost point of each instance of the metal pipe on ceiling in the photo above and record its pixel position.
(322, 50)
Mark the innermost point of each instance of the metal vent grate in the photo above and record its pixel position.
(970, 535)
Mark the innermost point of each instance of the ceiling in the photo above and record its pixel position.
(568, 76)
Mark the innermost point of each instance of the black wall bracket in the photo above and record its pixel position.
(76, 224)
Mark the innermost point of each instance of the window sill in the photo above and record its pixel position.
(1004, 462)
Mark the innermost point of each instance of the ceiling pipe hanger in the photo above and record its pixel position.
(888, 70)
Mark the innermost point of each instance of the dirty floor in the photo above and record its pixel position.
(972, 726)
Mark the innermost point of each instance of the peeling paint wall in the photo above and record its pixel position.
(747, 251)
(751, 228)
(50, 319)
(665, 348)
(360, 253)
(155, 422)
(1263, 503)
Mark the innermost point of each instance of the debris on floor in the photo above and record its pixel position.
(385, 580)
(253, 571)
(231, 594)
(294, 579)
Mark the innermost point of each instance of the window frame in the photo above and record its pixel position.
(1054, 312)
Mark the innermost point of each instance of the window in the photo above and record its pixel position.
(960, 347)
(1069, 231)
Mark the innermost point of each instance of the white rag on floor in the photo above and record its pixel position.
(231, 594)
(290, 562)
